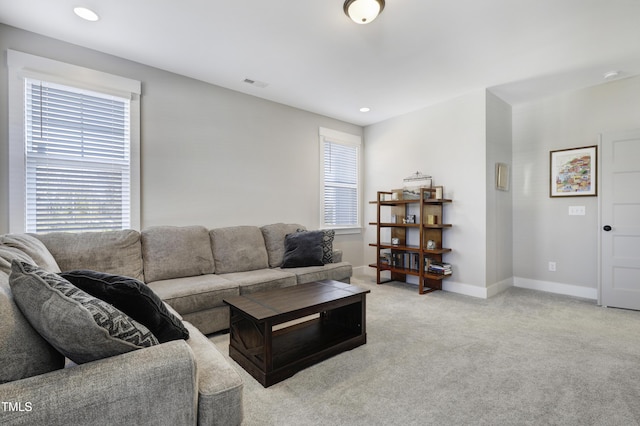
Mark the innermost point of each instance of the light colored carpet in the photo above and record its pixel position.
(520, 358)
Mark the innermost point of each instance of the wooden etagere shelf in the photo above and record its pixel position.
(399, 257)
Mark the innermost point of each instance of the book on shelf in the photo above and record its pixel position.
(434, 267)
(405, 260)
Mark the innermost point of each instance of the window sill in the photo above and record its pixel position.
(345, 231)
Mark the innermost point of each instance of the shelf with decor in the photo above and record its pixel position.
(418, 219)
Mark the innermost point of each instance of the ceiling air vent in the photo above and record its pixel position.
(260, 84)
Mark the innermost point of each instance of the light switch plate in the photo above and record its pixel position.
(577, 211)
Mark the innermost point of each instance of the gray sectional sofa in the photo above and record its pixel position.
(192, 269)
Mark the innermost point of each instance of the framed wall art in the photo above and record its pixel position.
(574, 172)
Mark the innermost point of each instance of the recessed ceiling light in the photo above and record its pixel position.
(365, 109)
(87, 14)
(611, 74)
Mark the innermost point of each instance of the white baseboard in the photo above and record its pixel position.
(499, 287)
(466, 289)
(558, 288)
(450, 285)
(364, 270)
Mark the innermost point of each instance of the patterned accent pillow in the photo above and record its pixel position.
(327, 244)
(80, 326)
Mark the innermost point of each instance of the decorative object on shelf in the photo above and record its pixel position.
(439, 192)
(574, 172)
(502, 176)
(363, 11)
(410, 219)
(432, 219)
(413, 184)
(431, 245)
(395, 241)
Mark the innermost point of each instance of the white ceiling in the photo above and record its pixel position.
(417, 53)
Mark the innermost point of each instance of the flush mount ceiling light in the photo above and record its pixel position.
(363, 11)
(85, 13)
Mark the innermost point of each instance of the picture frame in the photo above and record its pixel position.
(574, 172)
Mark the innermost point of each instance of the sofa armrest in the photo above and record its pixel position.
(150, 386)
(219, 385)
(337, 256)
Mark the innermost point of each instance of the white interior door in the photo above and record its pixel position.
(620, 220)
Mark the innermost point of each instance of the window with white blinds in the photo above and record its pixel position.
(340, 168)
(78, 171)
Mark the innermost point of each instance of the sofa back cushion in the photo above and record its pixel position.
(34, 248)
(23, 352)
(238, 249)
(113, 252)
(7, 254)
(175, 252)
(274, 240)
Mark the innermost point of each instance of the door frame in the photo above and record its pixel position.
(600, 225)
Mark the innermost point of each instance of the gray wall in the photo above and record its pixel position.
(448, 142)
(542, 229)
(210, 156)
(219, 158)
(499, 203)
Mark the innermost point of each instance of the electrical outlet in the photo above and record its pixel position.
(552, 266)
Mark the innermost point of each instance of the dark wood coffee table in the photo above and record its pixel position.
(271, 354)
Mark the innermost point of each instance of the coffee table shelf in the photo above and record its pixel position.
(271, 356)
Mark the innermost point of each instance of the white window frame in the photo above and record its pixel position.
(23, 65)
(341, 138)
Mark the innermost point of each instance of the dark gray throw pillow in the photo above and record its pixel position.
(132, 297)
(327, 244)
(303, 249)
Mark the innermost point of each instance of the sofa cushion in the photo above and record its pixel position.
(23, 352)
(261, 279)
(341, 271)
(132, 297)
(113, 252)
(274, 240)
(7, 254)
(175, 252)
(80, 326)
(34, 248)
(303, 249)
(193, 294)
(238, 249)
